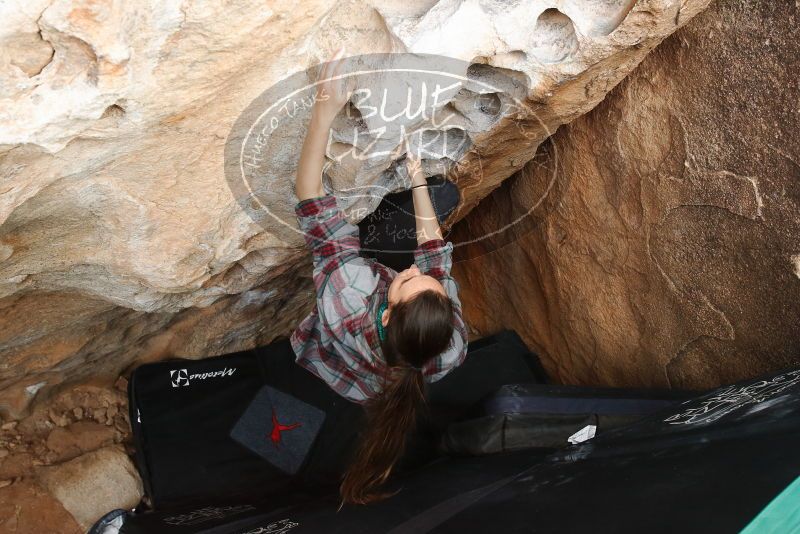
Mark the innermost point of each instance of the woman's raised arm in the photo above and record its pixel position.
(424, 214)
(331, 95)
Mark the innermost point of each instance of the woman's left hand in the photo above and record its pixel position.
(332, 94)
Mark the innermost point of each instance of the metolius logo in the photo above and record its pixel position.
(181, 377)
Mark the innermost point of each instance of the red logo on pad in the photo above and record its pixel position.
(277, 428)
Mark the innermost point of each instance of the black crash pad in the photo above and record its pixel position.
(182, 425)
(708, 464)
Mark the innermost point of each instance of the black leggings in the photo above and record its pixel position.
(389, 234)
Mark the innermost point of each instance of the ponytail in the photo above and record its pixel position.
(390, 417)
(418, 330)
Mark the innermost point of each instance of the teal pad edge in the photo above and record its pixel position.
(781, 515)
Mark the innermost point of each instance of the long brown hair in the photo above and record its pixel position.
(418, 330)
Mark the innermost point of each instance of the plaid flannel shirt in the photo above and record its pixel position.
(338, 341)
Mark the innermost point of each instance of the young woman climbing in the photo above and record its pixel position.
(376, 335)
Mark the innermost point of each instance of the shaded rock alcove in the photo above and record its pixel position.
(666, 252)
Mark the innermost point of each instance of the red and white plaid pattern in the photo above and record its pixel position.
(338, 341)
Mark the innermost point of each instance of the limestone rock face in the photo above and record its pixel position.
(25, 507)
(120, 240)
(72, 450)
(665, 251)
(94, 484)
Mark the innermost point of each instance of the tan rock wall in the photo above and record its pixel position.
(666, 251)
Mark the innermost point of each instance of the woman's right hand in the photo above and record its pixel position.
(332, 94)
(414, 168)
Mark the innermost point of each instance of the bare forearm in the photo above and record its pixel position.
(312, 158)
(425, 216)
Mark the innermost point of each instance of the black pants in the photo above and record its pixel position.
(389, 233)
